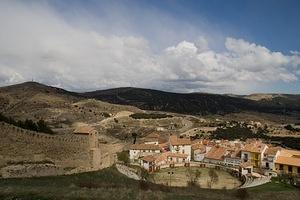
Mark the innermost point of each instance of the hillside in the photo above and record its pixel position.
(194, 103)
(58, 107)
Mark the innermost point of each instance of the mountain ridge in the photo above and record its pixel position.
(185, 103)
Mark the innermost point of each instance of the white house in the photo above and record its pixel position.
(180, 145)
(270, 157)
(154, 162)
(139, 150)
(198, 151)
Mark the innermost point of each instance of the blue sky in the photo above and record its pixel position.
(233, 46)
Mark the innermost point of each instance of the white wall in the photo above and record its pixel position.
(135, 154)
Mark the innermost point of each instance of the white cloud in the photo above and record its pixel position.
(36, 42)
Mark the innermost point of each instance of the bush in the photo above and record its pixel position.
(149, 116)
(28, 124)
(123, 156)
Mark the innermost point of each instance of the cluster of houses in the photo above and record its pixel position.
(155, 152)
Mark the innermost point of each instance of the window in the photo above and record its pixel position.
(298, 170)
(290, 169)
(280, 167)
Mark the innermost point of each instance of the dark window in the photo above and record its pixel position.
(267, 165)
(280, 167)
(298, 170)
(290, 168)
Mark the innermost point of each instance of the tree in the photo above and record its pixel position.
(43, 127)
(123, 156)
(134, 135)
(214, 178)
(193, 176)
(143, 174)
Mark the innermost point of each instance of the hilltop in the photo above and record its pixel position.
(196, 103)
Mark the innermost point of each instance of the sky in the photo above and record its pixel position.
(233, 46)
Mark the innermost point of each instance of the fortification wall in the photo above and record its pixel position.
(18, 145)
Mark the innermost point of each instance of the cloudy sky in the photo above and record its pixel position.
(174, 45)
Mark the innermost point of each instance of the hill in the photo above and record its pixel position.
(58, 107)
(195, 103)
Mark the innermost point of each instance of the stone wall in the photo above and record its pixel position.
(20, 145)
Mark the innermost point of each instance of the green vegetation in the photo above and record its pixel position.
(149, 116)
(110, 184)
(238, 131)
(28, 124)
(123, 156)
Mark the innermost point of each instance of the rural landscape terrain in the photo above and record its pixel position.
(149, 100)
(122, 117)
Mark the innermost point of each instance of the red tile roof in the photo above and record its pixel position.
(216, 153)
(175, 141)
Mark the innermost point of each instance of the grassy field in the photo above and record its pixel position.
(109, 184)
(181, 178)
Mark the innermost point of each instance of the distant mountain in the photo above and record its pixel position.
(195, 103)
(31, 95)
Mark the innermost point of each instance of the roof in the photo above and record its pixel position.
(235, 153)
(177, 155)
(272, 150)
(216, 153)
(154, 137)
(199, 146)
(84, 130)
(175, 141)
(150, 158)
(288, 161)
(289, 157)
(254, 147)
(144, 147)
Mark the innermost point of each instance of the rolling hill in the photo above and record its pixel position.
(195, 103)
(31, 95)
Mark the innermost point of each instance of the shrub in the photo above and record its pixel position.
(123, 156)
(149, 116)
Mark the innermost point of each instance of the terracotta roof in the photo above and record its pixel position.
(216, 153)
(288, 161)
(254, 147)
(289, 157)
(175, 141)
(198, 146)
(177, 155)
(236, 153)
(272, 150)
(84, 130)
(144, 147)
(150, 158)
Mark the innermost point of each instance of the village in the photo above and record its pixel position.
(251, 159)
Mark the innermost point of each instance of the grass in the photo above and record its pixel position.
(273, 186)
(181, 177)
(110, 184)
